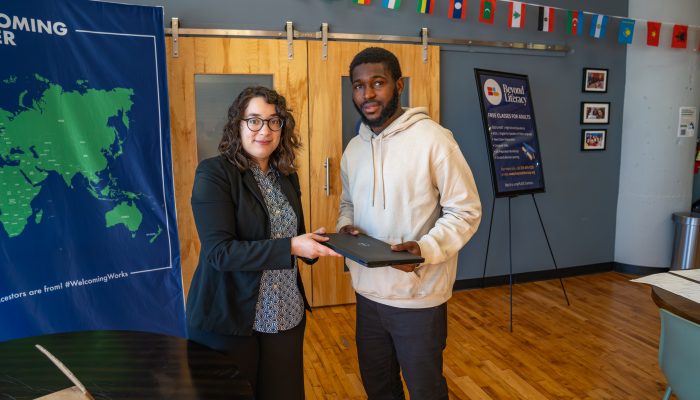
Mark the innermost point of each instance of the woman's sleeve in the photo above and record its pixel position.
(301, 229)
(215, 218)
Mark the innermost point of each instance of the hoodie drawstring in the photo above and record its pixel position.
(407, 119)
(371, 150)
(381, 169)
(379, 159)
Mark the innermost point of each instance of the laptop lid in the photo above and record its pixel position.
(369, 251)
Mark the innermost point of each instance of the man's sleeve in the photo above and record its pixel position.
(461, 208)
(346, 215)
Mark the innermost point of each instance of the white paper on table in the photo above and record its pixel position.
(693, 274)
(676, 284)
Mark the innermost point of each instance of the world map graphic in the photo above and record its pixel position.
(74, 134)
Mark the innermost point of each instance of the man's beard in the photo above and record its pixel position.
(386, 113)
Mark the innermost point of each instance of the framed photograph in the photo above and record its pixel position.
(595, 113)
(593, 139)
(595, 80)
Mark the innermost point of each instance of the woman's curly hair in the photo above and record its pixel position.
(284, 157)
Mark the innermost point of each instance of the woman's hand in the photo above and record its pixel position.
(308, 245)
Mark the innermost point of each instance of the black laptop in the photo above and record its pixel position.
(369, 251)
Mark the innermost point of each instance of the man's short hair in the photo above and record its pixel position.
(376, 55)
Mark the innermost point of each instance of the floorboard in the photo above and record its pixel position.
(603, 346)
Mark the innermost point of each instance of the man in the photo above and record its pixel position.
(406, 182)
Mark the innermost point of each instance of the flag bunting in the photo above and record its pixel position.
(391, 4)
(487, 11)
(575, 20)
(679, 39)
(516, 12)
(546, 19)
(425, 6)
(626, 31)
(598, 25)
(458, 9)
(653, 33)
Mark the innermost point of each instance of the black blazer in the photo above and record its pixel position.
(234, 228)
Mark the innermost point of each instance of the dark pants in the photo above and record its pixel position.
(272, 362)
(391, 340)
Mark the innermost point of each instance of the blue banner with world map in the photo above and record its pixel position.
(88, 237)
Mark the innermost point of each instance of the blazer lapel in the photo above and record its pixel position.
(252, 184)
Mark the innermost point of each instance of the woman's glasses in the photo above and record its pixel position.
(255, 123)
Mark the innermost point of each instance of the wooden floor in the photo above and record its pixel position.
(603, 346)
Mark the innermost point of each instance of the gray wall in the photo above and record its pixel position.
(579, 206)
(656, 173)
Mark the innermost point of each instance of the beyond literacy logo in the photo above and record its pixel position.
(493, 92)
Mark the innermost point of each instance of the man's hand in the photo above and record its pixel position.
(349, 229)
(411, 247)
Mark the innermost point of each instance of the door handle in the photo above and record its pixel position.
(327, 166)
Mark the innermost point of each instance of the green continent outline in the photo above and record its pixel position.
(68, 133)
(126, 214)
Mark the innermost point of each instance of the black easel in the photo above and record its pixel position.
(510, 253)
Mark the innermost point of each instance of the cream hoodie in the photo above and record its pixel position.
(409, 182)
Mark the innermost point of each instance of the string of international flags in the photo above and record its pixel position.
(575, 20)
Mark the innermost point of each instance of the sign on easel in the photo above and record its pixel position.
(511, 133)
(513, 147)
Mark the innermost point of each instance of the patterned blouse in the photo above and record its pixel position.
(280, 306)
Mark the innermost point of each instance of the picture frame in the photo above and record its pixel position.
(595, 112)
(595, 80)
(593, 139)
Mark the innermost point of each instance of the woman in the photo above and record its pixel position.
(246, 297)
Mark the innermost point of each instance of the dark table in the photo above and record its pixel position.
(119, 365)
(676, 304)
